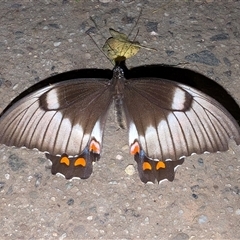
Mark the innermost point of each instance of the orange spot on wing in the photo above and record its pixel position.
(65, 160)
(80, 162)
(135, 148)
(94, 147)
(146, 166)
(160, 164)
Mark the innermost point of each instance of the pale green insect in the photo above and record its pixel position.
(119, 46)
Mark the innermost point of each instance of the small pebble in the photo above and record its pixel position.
(119, 157)
(202, 219)
(230, 209)
(237, 211)
(63, 236)
(130, 170)
(200, 162)
(70, 202)
(87, 55)
(105, 1)
(56, 44)
(90, 218)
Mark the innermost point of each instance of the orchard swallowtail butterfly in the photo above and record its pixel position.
(166, 120)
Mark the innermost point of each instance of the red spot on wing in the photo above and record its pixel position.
(80, 162)
(160, 164)
(65, 160)
(135, 148)
(146, 166)
(94, 147)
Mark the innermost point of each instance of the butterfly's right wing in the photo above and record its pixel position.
(65, 120)
(169, 121)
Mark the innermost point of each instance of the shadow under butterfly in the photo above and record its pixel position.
(64, 115)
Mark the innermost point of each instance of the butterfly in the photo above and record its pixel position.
(166, 120)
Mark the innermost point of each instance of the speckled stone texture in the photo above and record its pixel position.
(42, 38)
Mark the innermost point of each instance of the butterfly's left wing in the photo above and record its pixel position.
(65, 120)
(168, 121)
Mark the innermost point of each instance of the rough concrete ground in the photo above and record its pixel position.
(41, 38)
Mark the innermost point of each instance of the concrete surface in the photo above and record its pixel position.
(41, 38)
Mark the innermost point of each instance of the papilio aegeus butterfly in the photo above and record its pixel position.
(167, 121)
